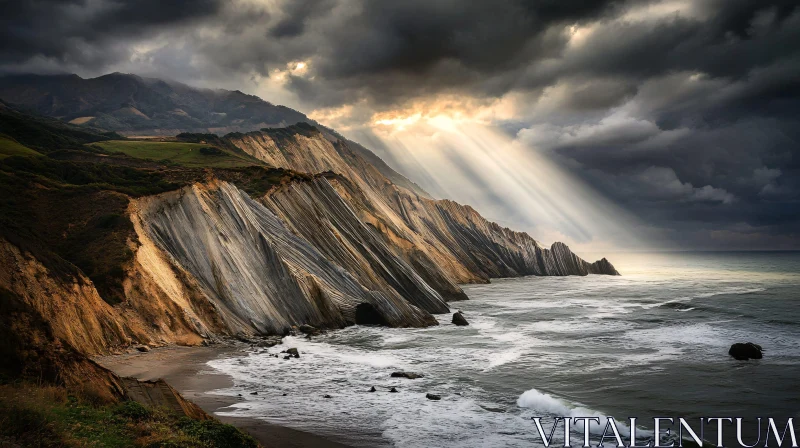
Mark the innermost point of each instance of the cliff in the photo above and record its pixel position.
(431, 235)
(103, 250)
(259, 276)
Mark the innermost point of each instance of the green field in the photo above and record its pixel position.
(10, 148)
(185, 154)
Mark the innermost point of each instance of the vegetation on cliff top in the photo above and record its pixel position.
(178, 153)
(10, 147)
(47, 416)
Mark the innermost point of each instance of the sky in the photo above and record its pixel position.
(668, 124)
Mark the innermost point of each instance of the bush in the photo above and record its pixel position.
(217, 434)
(133, 411)
(211, 151)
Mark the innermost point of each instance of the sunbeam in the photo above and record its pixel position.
(515, 185)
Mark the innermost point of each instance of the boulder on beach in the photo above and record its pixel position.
(743, 351)
(459, 319)
(143, 348)
(409, 375)
(430, 396)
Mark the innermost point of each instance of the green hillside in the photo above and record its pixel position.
(9, 147)
(194, 155)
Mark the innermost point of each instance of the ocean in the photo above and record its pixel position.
(650, 343)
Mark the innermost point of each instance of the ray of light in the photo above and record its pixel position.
(509, 183)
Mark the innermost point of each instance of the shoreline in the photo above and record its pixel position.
(180, 367)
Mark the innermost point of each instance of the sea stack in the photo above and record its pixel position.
(459, 319)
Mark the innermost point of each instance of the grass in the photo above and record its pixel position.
(179, 153)
(47, 416)
(46, 134)
(9, 147)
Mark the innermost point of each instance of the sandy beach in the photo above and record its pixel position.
(180, 367)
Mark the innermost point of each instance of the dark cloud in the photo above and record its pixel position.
(690, 119)
(96, 33)
(296, 16)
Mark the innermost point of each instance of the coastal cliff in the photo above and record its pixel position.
(259, 277)
(430, 234)
(247, 234)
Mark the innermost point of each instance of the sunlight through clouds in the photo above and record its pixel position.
(474, 163)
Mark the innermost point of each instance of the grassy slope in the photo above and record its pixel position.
(180, 153)
(46, 416)
(9, 147)
(46, 134)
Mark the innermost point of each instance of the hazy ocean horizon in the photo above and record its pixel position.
(652, 342)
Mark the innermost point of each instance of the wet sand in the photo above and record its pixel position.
(180, 367)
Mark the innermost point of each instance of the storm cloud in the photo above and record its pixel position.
(686, 113)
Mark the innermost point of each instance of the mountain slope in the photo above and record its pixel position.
(133, 105)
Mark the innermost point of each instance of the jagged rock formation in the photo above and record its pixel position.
(260, 277)
(316, 211)
(444, 241)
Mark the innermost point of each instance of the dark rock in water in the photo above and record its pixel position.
(393, 389)
(253, 393)
(309, 330)
(287, 357)
(433, 397)
(459, 319)
(285, 395)
(239, 395)
(293, 352)
(143, 348)
(267, 343)
(326, 396)
(372, 389)
(409, 375)
(745, 350)
(602, 266)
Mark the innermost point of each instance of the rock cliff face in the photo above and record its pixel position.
(447, 243)
(260, 277)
